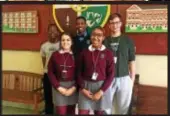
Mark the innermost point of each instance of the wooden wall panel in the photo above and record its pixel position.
(27, 41)
(152, 100)
(146, 43)
(31, 41)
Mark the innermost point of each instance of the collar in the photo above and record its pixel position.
(61, 51)
(84, 34)
(93, 49)
(116, 36)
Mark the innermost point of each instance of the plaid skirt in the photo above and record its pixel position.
(88, 104)
(61, 100)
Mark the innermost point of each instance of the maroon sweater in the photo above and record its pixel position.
(55, 69)
(104, 68)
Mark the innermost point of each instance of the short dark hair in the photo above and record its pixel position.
(100, 28)
(52, 24)
(81, 17)
(114, 15)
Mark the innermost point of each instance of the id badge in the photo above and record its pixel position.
(94, 75)
(64, 74)
(115, 60)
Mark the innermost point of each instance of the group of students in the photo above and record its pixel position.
(90, 70)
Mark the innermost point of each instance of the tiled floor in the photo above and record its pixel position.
(15, 110)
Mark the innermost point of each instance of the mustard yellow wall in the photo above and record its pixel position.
(152, 68)
(22, 61)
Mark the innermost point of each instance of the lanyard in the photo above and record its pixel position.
(65, 60)
(95, 61)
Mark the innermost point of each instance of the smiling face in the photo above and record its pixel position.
(115, 25)
(81, 25)
(97, 37)
(53, 33)
(66, 42)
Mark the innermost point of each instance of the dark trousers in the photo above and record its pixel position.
(47, 95)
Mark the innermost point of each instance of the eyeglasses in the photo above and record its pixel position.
(115, 23)
(96, 35)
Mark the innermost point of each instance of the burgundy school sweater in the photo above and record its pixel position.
(104, 67)
(55, 68)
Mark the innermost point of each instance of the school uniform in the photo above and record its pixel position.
(101, 62)
(61, 72)
(81, 41)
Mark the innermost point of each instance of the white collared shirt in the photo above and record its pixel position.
(61, 51)
(91, 48)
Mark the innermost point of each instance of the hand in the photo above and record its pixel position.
(62, 90)
(70, 91)
(87, 93)
(98, 95)
(133, 80)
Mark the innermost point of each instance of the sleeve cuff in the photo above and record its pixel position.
(57, 85)
(103, 89)
(82, 86)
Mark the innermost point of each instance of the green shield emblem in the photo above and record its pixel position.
(65, 16)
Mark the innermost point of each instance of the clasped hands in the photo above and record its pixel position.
(92, 96)
(65, 91)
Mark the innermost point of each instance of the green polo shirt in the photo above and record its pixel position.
(125, 53)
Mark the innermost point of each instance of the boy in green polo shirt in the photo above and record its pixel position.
(124, 51)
